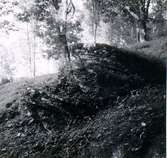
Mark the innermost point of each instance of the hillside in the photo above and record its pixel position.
(112, 104)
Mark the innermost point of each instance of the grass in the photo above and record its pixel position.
(155, 48)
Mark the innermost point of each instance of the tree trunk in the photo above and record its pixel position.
(95, 33)
(34, 53)
(138, 34)
(145, 19)
(66, 49)
(29, 49)
(34, 56)
(63, 39)
(65, 42)
(95, 20)
(146, 32)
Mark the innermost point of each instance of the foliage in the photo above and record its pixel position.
(47, 15)
(7, 13)
(143, 16)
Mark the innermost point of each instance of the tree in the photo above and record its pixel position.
(145, 19)
(29, 46)
(137, 12)
(95, 18)
(55, 25)
(62, 29)
(160, 20)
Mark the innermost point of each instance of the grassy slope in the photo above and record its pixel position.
(155, 48)
(11, 92)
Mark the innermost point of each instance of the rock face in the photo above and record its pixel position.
(112, 104)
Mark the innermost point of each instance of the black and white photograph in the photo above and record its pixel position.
(83, 78)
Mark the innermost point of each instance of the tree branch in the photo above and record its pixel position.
(132, 13)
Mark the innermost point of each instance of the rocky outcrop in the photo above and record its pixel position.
(112, 104)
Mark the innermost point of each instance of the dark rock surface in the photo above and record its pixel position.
(112, 104)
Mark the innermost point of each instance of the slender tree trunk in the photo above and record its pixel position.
(29, 48)
(146, 33)
(144, 24)
(95, 33)
(66, 48)
(138, 31)
(131, 32)
(145, 18)
(34, 53)
(65, 42)
(34, 56)
(95, 20)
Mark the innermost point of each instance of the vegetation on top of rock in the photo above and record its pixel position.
(112, 104)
